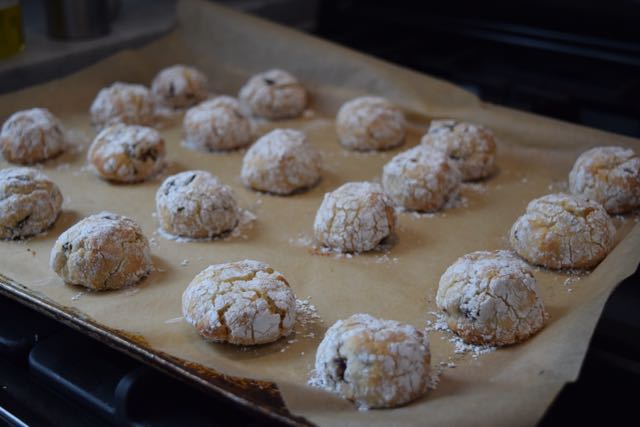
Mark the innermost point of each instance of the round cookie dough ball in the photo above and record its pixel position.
(610, 176)
(373, 362)
(491, 298)
(421, 179)
(274, 94)
(102, 251)
(29, 202)
(123, 103)
(196, 204)
(216, 125)
(31, 136)
(370, 123)
(244, 302)
(472, 148)
(356, 217)
(281, 162)
(179, 86)
(127, 153)
(563, 231)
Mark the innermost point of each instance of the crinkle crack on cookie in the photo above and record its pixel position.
(373, 362)
(123, 103)
(244, 302)
(179, 86)
(32, 136)
(274, 94)
(491, 298)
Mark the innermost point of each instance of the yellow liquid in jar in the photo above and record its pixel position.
(11, 37)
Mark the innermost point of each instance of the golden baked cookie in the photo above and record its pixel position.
(29, 202)
(216, 125)
(127, 153)
(610, 176)
(179, 86)
(31, 136)
(563, 231)
(356, 217)
(196, 204)
(491, 298)
(102, 251)
(421, 179)
(370, 123)
(281, 162)
(274, 94)
(126, 103)
(244, 302)
(373, 362)
(471, 147)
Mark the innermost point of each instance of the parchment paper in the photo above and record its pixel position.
(512, 386)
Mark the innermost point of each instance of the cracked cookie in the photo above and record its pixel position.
(179, 86)
(196, 204)
(472, 148)
(274, 94)
(216, 125)
(244, 302)
(355, 217)
(102, 251)
(373, 362)
(610, 176)
(31, 136)
(281, 162)
(563, 231)
(29, 202)
(421, 179)
(491, 298)
(127, 153)
(122, 103)
(370, 123)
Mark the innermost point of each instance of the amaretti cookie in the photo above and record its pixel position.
(281, 162)
(610, 176)
(216, 125)
(274, 94)
(127, 153)
(356, 217)
(244, 302)
(123, 103)
(471, 147)
(179, 86)
(563, 231)
(196, 204)
(373, 362)
(29, 202)
(370, 123)
(102, 251)
(491, 298)
(421, 179)
(32, 136)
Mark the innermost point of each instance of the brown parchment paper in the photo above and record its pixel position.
(512, 386)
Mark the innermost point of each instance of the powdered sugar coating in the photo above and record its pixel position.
(274, 94)
(373, 362)
(421, 179)
(32, 136)
(123, 103)
(370, 123)
(356, 217)
(281, 162)
(29, 202)
(608, 175)
(127, 153)
(179, 86)
(196, 204)
(563, 231)
(102, 251)
(491, 298)
(471, 147)
(244, 302)
(215, 125)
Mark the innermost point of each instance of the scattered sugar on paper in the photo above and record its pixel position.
(459, 346)
(174, 320)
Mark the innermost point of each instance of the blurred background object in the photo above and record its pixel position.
(77, 19)
(11, 37)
